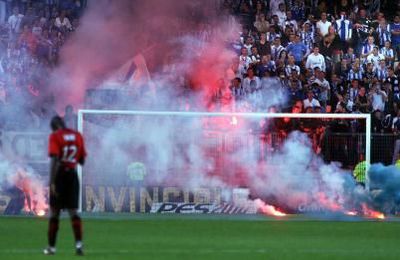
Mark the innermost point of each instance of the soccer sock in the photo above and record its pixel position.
(52, 233)
(77, 227)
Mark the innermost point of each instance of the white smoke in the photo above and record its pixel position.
(178, 150)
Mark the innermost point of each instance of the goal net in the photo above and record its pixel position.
(139, 159)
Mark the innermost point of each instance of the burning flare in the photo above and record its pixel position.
(370, 213)
(34, 191)
(268, 209)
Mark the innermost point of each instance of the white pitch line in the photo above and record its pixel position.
(123, 251)
(195, 251)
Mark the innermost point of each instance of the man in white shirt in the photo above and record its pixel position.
(244, 60)
(281, 13)
(274, 5)
(15, 23)
(375, 58)
(315, 59)
(310, 101)
(251, 83)
(62, 22)
(323, 25)
(378, 98)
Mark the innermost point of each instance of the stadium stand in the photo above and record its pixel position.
(329, 56)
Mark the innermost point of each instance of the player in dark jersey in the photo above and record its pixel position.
(66, 150)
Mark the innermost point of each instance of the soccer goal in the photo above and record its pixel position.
(129, 150)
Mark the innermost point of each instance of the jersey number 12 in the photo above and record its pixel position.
(69, 153)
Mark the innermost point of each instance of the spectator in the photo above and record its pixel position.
(388, 53)
(70, 118)
(236, 89)
(344, 28)
(251, 83)
(261, 24)
(276, 49)
(248, 44)
(338, 90)
(362, 102)
(298, 9)
(324, 88)
(368, 48)
(307, 35)
(396, 123)
(342, 69)
(395, 33)
(363, 28)
(383, 33)
(310, 101)
(244, 60)
(378, 97)
(295, 90)
(273, 33)
(263, 45)
(291, 67)
(353, 91)
(315, 60)
(369, 75)
(281, 13)
(323, 25)
(28, 40)
(377, 125)
(375, 57)
(343, 6)
(267, 65)
(62, 22)
(297, 49)
(381, 72)
(255, 57)
(15, 23)
(290, 22)
(350, 56)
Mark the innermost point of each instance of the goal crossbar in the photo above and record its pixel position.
(366, 117)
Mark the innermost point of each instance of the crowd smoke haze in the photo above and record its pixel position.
(177, 149)
(112, 32)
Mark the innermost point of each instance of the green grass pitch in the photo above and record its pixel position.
(210, 237)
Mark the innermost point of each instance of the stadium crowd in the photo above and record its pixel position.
(31, 36)
(330, 56)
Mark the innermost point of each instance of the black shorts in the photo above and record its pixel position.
(67, 188)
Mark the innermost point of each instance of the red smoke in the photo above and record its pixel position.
(112, 32)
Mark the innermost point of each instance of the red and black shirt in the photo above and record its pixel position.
(68, 146)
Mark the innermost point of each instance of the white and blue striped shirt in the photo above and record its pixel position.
(383, 34)
(344, 29)
(381, 73)
(308, 39)
(387, 53)
(354, 75)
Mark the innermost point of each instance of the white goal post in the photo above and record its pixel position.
(366, 117)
